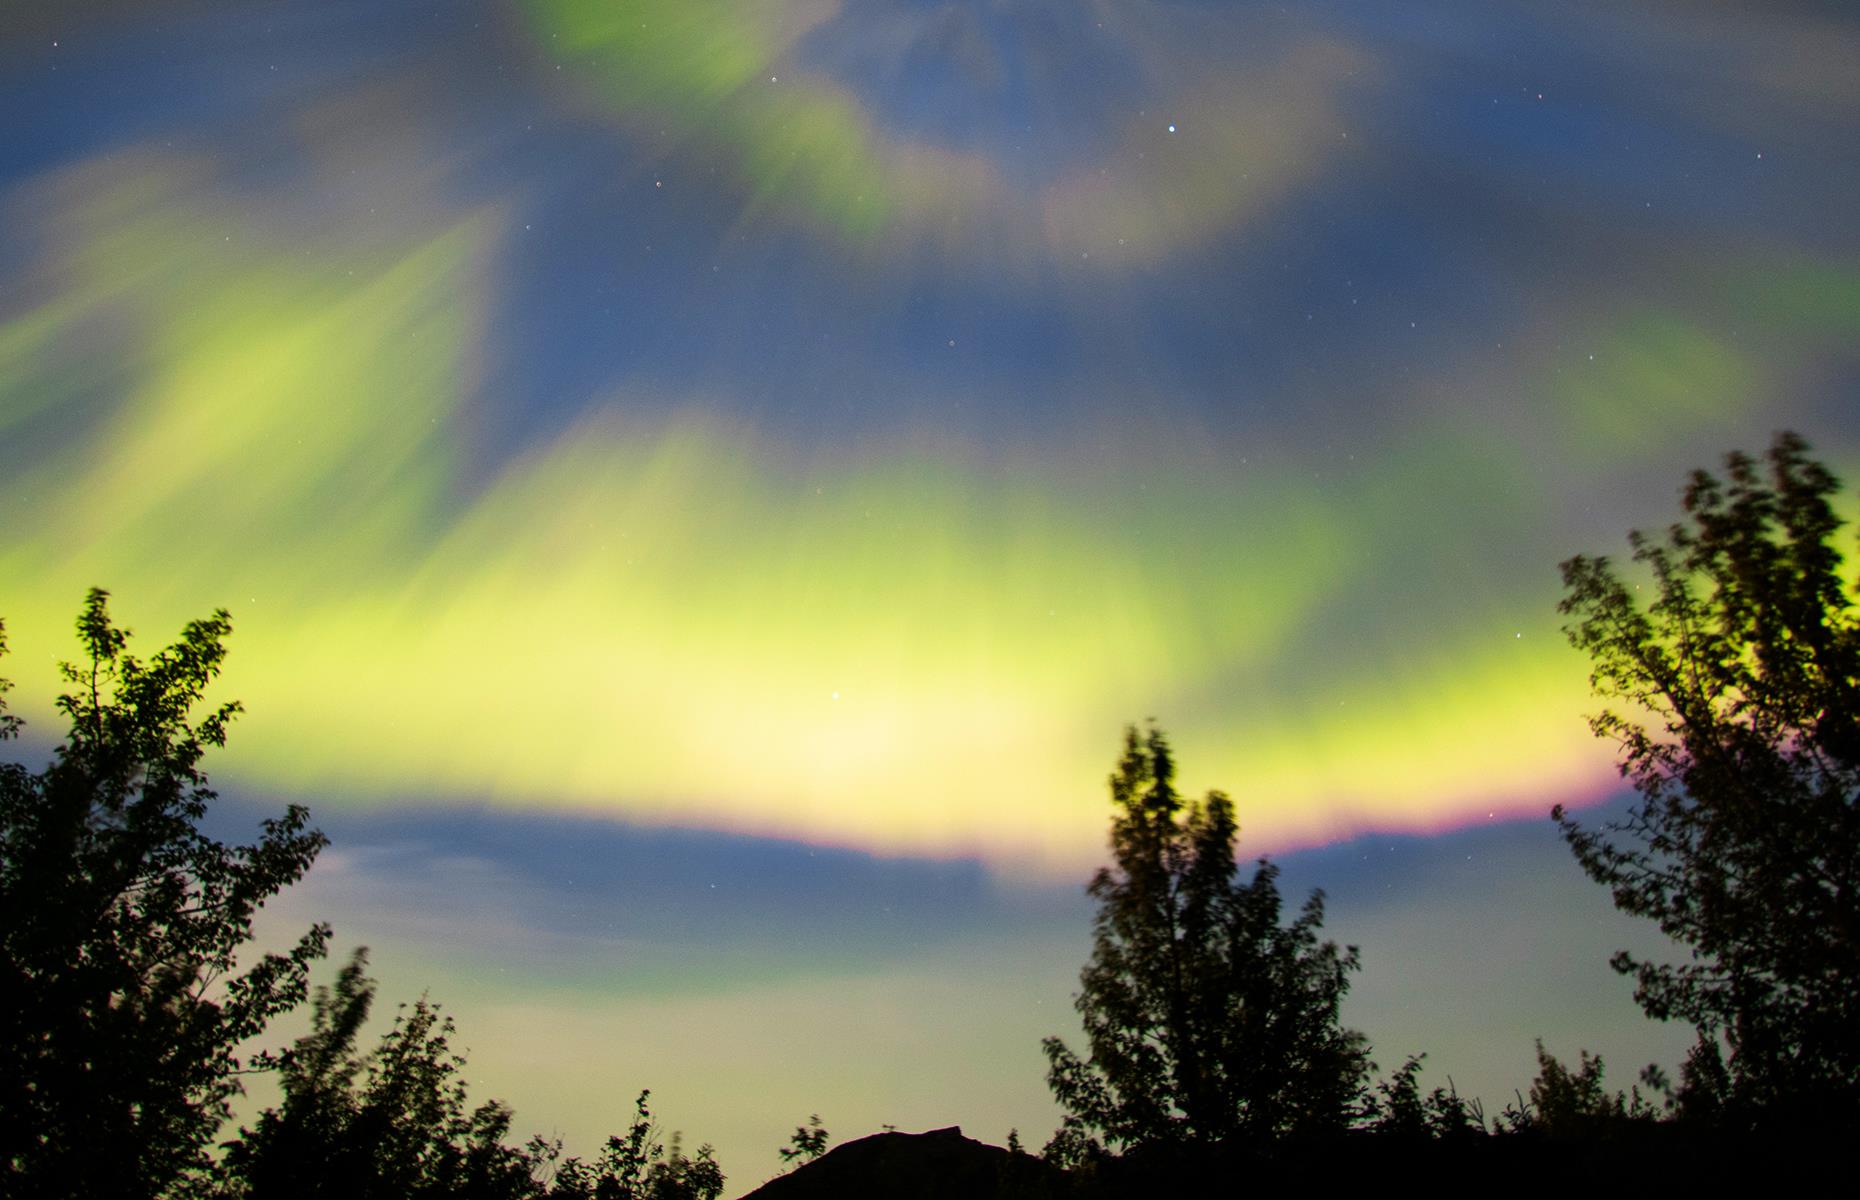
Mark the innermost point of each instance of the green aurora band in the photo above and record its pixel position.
(905, 648)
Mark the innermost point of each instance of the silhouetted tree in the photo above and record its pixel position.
(1566, 1103)
(807, 1143)
(1398, 1108)
(121, 1005)
(640, 1167)
(1207, 1019)
(1739, 725)
(390, 1123)
(395, 1124)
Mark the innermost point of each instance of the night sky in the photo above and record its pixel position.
(702, 486)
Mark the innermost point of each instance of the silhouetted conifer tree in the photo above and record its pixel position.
(1207, 1019)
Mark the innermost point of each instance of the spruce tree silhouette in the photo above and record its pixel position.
(1738, 684)
(1208, 1021)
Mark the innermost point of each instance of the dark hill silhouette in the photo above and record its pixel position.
(915, 1166)
(944, 1165)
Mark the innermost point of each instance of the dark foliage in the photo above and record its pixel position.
(391, 1123)
(1397, 1107)
(1572, 1104)
(807, 1143)
(1639, 1155)
(640, 1167)
(120, 924)
(1738, 685)
(395, 1123)
(1208, 1020)
(122, 1005)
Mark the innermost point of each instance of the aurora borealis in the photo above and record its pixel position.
(781, 444)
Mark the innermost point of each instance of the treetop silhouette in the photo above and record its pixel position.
(121, 924)
(1207, 1019)
(395, 1122)
(1736, 704)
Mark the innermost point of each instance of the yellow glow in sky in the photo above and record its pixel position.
(682, 621)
